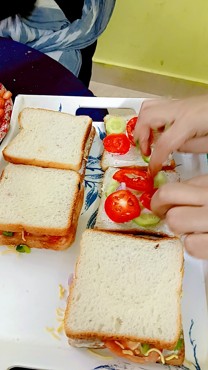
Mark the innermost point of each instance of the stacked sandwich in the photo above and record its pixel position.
(41, 190)
(126, 291)
(125, 296)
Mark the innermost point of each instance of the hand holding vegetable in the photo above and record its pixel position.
(187, 121)
(185, 207)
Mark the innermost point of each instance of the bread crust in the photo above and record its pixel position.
(138, 232)
(41, 241)
(86, 152)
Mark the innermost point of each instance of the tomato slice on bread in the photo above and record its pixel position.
(130, 126)
(145, 198)
(116, 143)
(135, 178)
(122, 206)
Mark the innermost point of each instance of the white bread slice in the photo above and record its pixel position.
(40, 201)
(132, 158)
(126, 287)
(51, 139)
(105, 223)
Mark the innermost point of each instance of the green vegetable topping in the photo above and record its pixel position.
(115, 125)
(160, 179)
(7, 233)
(23, 248)
(146, 158)
(113, 186)
(144, 348)
(146, 219)
(179, 345)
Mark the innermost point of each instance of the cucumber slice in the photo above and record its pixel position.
(115, 125)
(144, 348)
(113, 186)
(179, 344)
(160, 179)
(23, 248)
(7, 233)
(145, 158)
(146, 219)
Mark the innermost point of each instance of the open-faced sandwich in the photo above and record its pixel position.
(125, 201)
(126, 296)
(120, 149)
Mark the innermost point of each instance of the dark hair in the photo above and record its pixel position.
(13, 7)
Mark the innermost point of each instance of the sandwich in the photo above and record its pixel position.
(125, 203)
(39, 206)
(51, 139)
(126, 296)
(120, 149)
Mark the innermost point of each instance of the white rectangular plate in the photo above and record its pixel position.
(29, 283)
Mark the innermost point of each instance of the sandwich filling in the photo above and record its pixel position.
(135, 351)
(143, 352)
(127, 194)
(24, 235)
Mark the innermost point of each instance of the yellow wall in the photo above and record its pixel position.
(168, 37)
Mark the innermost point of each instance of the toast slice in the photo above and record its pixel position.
(39, 206)
(127, 288)
(103, 222)
(51, 139)
(132, 158)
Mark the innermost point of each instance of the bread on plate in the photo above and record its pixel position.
(40, 207)
(126, 296)
(50, 138)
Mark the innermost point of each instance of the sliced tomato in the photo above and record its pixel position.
(53, 239)
(116, 143)
(146, 197)
(135, 178)
(48, 238)
(122, 206)
(130, 126)
(115, 348)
